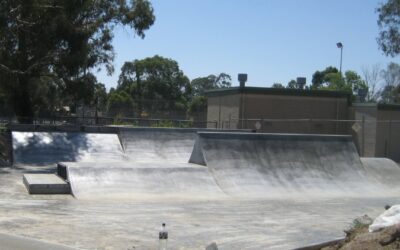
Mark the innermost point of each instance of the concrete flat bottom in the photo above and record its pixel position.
(192, 224)
(11, 242)
(45, 184)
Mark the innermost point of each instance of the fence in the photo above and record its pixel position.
(373, 138)
(104, 121)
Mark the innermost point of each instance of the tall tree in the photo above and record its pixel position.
(355, 82)
(197, 108)
(156, 84)
(389, 25)
(62, 39)
(390, 92)
(292, 84)
(278, 85)
(202, 84)
(320, 77)
(332, 79)
(372, 79)
(120, 103)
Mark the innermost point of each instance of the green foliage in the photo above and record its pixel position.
(335, 81)
(45, 43)
(120, 103)
(390, 92)
(156, 85)
(278, 85)
(163, 124)
(201, 84)
(389, 25)
(100, 96)
(172, 124)
(197, 105)
(355, 81)
(320, 77)
(80, 89)
(292, 84)
(119, 120)
(331, 79)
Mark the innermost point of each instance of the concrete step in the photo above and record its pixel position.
(46, 184)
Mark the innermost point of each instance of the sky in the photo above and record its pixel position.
(273, 41)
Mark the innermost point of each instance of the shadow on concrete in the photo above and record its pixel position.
(42, 149)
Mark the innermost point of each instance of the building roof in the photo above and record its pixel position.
(278, 91)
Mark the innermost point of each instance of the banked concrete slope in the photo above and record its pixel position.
(157, 167)
(158, 144)
(280, 165)
(123, 180)
(44, 148)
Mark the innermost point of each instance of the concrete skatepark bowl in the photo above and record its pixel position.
(240, 190)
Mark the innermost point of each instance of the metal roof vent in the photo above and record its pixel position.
(242, 78)
(301, 82)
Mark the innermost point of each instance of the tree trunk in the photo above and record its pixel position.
(139, 89)
(23, 105)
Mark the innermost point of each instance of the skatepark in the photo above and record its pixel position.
(241, 190)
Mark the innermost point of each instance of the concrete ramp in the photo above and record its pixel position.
(130, 181)
(383, 171)
(158, 144)
(281, 165)
(44, 148)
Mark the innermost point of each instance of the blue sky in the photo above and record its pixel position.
(270, 40)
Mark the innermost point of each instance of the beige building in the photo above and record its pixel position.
(375, 128)
(262, 108)
(381, 134)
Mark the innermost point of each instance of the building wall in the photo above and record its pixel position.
(222, 109)
(364, 129)
(375, 128)
(388, 134)
(256, 106)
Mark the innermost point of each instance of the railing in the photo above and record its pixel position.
(104, 121)
(372, 137)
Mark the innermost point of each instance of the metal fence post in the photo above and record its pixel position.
(363, 136)
(390, 136)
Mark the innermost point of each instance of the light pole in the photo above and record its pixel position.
(340, 46)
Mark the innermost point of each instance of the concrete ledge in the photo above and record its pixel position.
(45, 184)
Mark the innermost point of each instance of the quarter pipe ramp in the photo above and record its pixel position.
(158, 144)
(118, 180)
(281, 165)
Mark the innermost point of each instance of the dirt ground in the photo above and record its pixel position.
(358, 238)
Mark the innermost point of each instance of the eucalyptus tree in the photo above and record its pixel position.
(44, 42)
